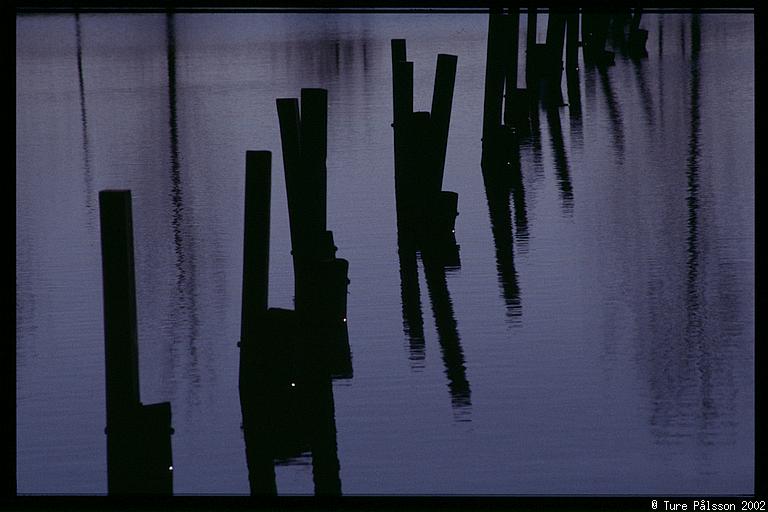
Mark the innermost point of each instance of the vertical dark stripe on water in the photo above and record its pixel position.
(692, 164)
(410, 295)
(574, 109)
(87, 175)
(448, 337)
(660, 92)
(185, 260)
(696, 337)
(645, 93)
(614, 114)
(497, 196)
(561, 160)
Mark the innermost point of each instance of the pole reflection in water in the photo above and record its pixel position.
(183, 244)
(497, 181)
(561, 160)
(87, 174)
(448, 334)
(574, 110)
(615, 115)
(410, 295)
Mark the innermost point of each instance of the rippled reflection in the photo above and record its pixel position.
(500, 182)
(410, 296)
(561, 160)
(87, 175)
(448, 336)
(183, 315)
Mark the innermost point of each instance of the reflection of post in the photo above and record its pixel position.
(561, 159)
(497, 191)
(413, 322)
(83, 118)
(450, 343)
(138, 436)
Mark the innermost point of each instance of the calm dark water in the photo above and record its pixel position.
(603, 329)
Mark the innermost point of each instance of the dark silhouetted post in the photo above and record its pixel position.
(288, 116)
(314, 142)
(402, 104)
(121, 350)
(530, 48)
(572, 42)
(511, 24)
(442, 100)
(637, 36)
(258, 170)
(555, 42)
(494, 75)
(325, 460)
(138, 436)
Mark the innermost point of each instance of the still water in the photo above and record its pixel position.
(601, 327)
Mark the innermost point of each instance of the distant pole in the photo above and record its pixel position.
(258, 170)
(398, 55)
(512, 30)
(555, 41)
(442, 99)
(572, 42)
(530, 48)
(403, 108)
(494, 74)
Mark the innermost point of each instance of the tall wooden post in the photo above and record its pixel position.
(442, 100)
(512, 32)
(138, 437)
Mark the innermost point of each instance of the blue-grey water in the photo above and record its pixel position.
(604, 330)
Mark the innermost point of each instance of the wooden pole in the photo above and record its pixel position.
(258, 171)
(442, 99)
(494, 74)
(572, 42)
(314, 143)
(398, 55)
(530, 48)
(512, 32)
(121, 351)
(403, 108)
(555, 41)
(120, 335)
(138, 436)
(288, 116)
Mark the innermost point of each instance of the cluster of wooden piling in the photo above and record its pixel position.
(426, 214)
(288, 357)
(138, 436)
(320, 278)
